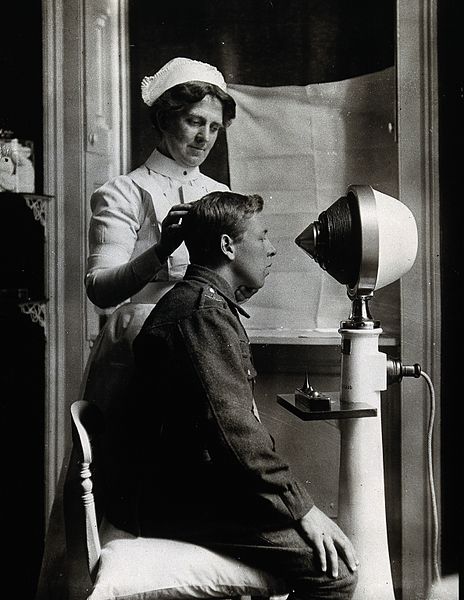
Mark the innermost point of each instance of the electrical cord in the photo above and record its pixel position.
(435, 525)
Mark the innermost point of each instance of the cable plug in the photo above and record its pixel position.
(396, 370)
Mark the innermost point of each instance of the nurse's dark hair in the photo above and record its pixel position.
(180, 97)
(213, 215)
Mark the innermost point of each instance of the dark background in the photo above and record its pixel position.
(451, 112)
(22, 366)
(21, 72)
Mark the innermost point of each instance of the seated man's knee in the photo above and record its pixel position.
(349, 580)
(324, 587)
(346, 582)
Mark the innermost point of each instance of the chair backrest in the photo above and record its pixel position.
(87, 424)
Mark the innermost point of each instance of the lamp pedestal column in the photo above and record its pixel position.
(362, 514)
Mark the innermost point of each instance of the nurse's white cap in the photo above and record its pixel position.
(179, 70)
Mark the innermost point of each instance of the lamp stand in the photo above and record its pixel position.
(362, 514)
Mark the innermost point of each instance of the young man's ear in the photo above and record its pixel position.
(227, 246)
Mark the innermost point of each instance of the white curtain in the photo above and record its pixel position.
(300, 147)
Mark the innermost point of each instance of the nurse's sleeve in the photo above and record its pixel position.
(112, 276)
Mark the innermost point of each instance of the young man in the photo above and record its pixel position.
(205, 468)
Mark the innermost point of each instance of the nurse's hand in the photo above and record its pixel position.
(243, 293)
(171, 231)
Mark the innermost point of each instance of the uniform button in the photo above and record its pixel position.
(211, 290)
(249, 372)
(185, 172)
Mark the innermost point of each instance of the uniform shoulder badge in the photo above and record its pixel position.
(210, 297)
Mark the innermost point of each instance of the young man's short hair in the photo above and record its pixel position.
(215, 214)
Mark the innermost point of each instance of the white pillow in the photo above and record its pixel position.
(135, 568)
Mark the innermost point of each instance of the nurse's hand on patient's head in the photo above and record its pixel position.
(171, 231)
(243, 293)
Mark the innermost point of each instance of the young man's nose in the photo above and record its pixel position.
(271, 251)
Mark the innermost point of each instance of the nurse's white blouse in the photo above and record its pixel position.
(127, 213)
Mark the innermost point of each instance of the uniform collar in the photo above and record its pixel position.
(205, 275)
(167, 166)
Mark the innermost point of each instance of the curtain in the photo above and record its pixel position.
(300, 147)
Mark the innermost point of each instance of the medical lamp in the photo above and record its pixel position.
(365, 240)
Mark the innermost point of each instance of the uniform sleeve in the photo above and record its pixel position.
(112, 276)
(237, 438)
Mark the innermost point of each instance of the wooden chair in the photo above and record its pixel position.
(119, 565)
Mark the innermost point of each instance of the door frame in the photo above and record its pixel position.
(417, 90)
(64, 180)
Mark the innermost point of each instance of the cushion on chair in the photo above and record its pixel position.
(135, 568)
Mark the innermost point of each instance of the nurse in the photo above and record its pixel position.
(135, 246)
(136, 251)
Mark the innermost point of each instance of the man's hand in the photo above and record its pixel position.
(171, 231)
(243, 293)
(328, 540)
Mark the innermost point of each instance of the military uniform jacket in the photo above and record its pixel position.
(200, 455)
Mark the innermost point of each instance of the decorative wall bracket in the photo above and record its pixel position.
(38, 205)
(36, 310)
